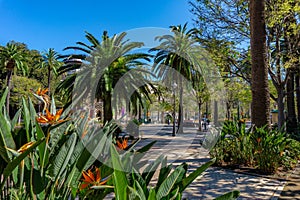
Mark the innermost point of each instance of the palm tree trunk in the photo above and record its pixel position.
(199, 114)
(108, 116)
(49, 81)
(259, 71)
(291, 118)
(158, 114)
(163, 112)
(180, 111)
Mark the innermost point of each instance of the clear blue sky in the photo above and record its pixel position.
(58, 24)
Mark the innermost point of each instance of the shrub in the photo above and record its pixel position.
(261, 148)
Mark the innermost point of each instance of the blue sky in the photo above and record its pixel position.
(58, 24)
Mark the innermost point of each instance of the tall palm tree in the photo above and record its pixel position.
(260, 89)
(177, 52)
(52, 64)
(112, 59)
(12, 58)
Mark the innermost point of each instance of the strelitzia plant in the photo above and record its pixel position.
(171, 181)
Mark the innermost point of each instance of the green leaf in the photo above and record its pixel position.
(98, 187)
(189, 179)
(32, 111)
(26, 118)
(3, 98)
(140, 153)
(152, 194)
(42, 147)
(229, 196)
(164, 172)
(86, 158)
(15, 162)
(6, 138)
(14, 121)
(168, 184)
(53, 106)
(151, 169)
(119, 176)
(137, 191)
(63, 157)
(174, 193)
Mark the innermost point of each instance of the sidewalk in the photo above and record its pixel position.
(292, 187)
(215, 181)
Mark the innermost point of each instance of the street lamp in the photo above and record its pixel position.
(174, 108)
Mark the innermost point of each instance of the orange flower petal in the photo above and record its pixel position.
(25, 147)
(91, 175)
(84, 185)
(98, 176)
(87, 177)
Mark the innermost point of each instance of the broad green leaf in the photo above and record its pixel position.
(26, 118)
(3, 98)
(86, 157)
(53, 106)
(163, 173)
(137, 191)
(152, 194)
(6, 138)
(168, 184)
(32, 111)
(15, 162)
(174, 194)
(119, 176)
(140, 153)
(15, 119)
(229, 196)
(189, 179)
(151, 169)
(63, 157)
(42, 147)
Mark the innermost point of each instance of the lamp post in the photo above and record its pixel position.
(174, 108)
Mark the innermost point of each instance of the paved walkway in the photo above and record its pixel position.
(215, 181)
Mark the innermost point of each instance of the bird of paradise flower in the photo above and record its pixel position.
(92, 179)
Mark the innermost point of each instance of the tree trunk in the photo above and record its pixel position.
(108, 116)
(216, 114)
(140, 112)
(180, 111)
(228, 112)
(280, 105)
(260, 89)
(291, 118)
(158, 113)
(199, 114)
(297, 80)
(49, 81)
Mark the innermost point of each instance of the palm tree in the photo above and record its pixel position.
(260, 89)
(111, 58)
(177, 52)
(52, 64)
(12, 57)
